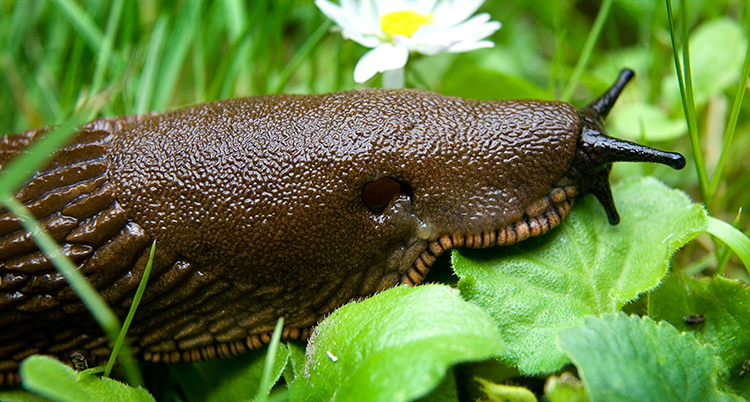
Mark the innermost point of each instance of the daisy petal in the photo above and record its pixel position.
(379, 59)
(467, 46)
(450, 13)
(484, 31)
(349, 6)
(370, 16)
(468, 28)
(425, 7)
(330, 10)
(366, 41)
(352, 26)
(431, 50)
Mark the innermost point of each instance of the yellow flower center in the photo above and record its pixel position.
(404, 22)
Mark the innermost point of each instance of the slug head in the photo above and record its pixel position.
(597, 150)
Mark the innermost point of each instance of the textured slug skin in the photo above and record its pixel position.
(257, 206)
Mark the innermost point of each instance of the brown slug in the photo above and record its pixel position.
(284, 206)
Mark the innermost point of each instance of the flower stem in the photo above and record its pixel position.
(393, 78)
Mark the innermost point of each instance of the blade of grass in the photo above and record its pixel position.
(126, 324)
(148, 76)
(179, 41)
(558, 62)
(733, 117)
(236, 18)
(588, 47)
(18, 90)
(736, 240)
(222, 81)
(237, 25)
(684, 78)
(19, 23)
(299, 57)
(724, 255)
(71, 86)
(53, 66)
(37, 85)
(88, 295)
(105, 51)
(82, 23)
(265, 381)
(199, 70)
(699, 266)
(246, 49)
(262, 65)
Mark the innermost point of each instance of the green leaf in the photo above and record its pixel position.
(48, 377)
(395, 346)
(463, 82)
(18, 395)
(724, 304)
(716, 68)
(233, 379)
(297, 359)
(585, 267)
(446, 391)
(628, 358)
(632, 119)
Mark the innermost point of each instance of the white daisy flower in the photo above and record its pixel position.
(393, 28)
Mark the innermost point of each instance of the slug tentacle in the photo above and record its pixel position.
(603, 104)
(597, 150)
(599, 187)
(603, 149)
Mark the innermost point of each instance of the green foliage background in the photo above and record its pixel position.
(65, 61)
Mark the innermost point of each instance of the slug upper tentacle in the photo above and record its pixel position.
(284, 206)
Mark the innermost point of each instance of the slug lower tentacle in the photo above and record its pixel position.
(284, 206)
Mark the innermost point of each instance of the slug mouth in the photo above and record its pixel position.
(538, 219)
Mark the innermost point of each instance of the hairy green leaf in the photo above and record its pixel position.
(50, 378)
(628, 358)
(715, 68)
(723, 304)
(632, 119)
(585, 267)
(18, 395)
(395, 346)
